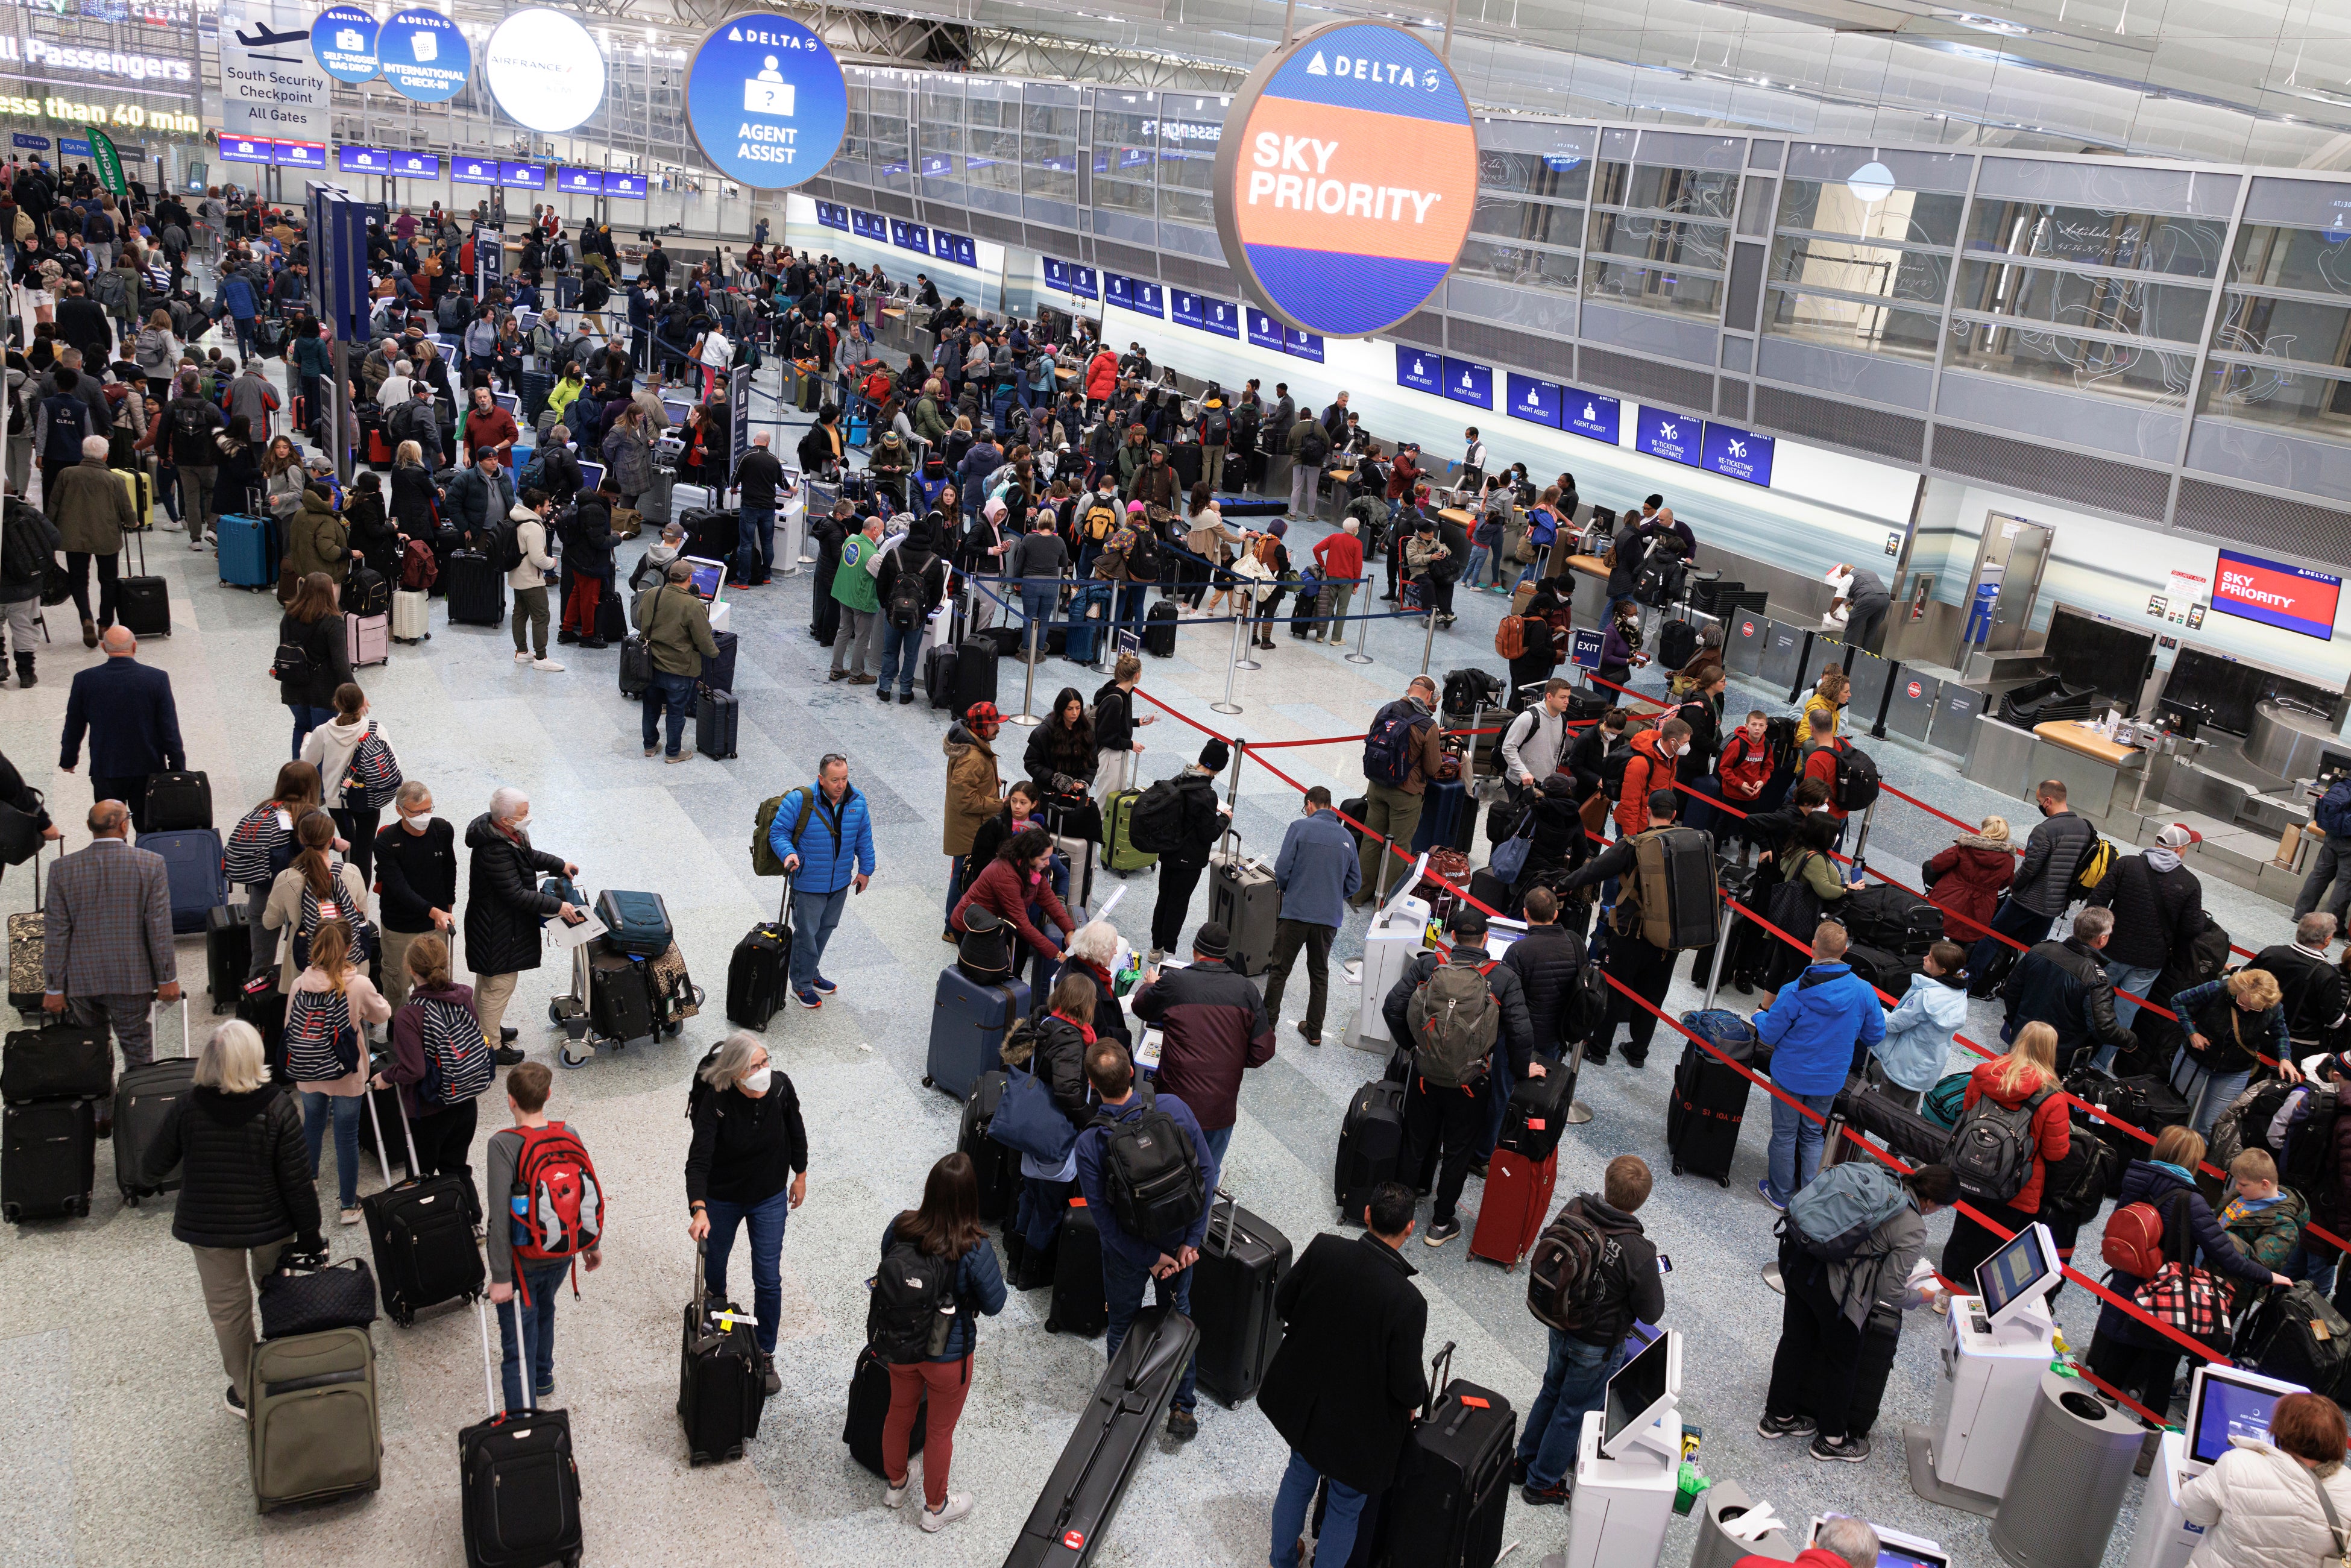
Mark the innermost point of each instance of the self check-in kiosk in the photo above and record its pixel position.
(1999, 1343)
(1398, 931)
(1628, 1463)
(2222, 1403)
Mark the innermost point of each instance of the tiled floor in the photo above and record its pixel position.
(112, 1439)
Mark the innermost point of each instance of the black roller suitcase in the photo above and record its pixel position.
(1371, 1146)
(143, 1097)
(620, 997)
(716, 723)
(228, 953)
(1159, 629)
(868, 1408)
(1446, 1507)
(757, 974)
(1884, 916)
(476, 589)
(1709, 1097)
(421, 1236)
(1244, 900)
(1082, 1496)
(718, 671)
(998, 1165)
(722, 1379)
(939, 676)
(1895, 1127)
(1242, 1260)
(144, 603)
(1079, 1304)
(1536, 1113)
(975, 673)
(48, 1159)
(518, 1494)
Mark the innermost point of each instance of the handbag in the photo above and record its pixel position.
(984, 949)
(1027, 1119)
(2188, 1299)
(312, 1301)
(20, 833)
(1510, 856)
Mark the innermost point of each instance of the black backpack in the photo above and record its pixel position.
(1143, 563)
(1993, 1148)
(905, 605)
(912, 1305)
(1151, 1173)
(1215, 429)
(24, 555)
(1314, 448)
(507, 547)
(1157, 818)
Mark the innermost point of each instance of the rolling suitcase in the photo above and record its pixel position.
(868, 1406)
(315, 1431)
(57, 1060)
(1536, 1113)
(1159, 629)
(1709, 1097)
(476, 589)
(620, 998)
(178, 802)
(263, 1004)
(612, 620)
(48, 1159)
(635, 923)
(969, 1022)
(1679, 892)
(1905, 1133)
(939, 676)
(998, 1165)
(1241, 895)
(1242, 1260)
(1080, 1497)
(143, 1098)
(711, 534)
(722, 1377)
(1371, 1146)
(519, 1485)
(1118, 835)
(1885, 917)
(192, 859)
(248, 555)
(412, 615)
(758, 972)
(718, 672)
(1515, 1206)
(421, 1237)
(142, 602)
(975, 672)
(1079, 1306)
(370, 637)
(1446, 1507)
(27, 974)
(715, 717)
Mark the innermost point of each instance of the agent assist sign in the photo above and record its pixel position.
(766, 99)
(1345, 177)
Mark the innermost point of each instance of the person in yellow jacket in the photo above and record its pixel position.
(1824, 710)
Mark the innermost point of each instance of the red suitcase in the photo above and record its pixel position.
(1517, 1202)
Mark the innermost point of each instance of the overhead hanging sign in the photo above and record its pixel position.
(545, 71)
(2291, 598)
(1345, 177)
(766, 100)
(343, 40)
(423, 56)
(271, 86)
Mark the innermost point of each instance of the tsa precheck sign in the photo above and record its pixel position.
(766, 100)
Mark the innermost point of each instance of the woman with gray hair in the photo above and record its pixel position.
(747, 1165)
(1092, 951)
(245, 1188)
(505, 907)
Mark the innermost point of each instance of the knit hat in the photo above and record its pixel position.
(1215, 756)
(1132, 508)
(1212, 940)
(982, 713)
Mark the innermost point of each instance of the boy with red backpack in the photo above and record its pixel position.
(554, 1217)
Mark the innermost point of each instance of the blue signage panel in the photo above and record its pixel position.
(244, 149)
(1672, 436)
(832, 215)
(79, 147)
(468, 171)
(1583, 648)
(1187, 306)
(1264, 331)
(1146, 297)
(1305, 345)
(1589, 414)
(1469, 384)
(625, 185)
(1057, 275)
(1526, 398)
(1735, 454)
(872, 225)
(2276, 593)
(580, 181)
(937, 164)
(1221, 317)
(416, 165)
(343, 40)
(363, 161)
(35, 143)
(423, 56)
(1418, 368)
(918, 238)
(765, 98)
(1118, 289)
(522, 176)
(293, 154)
(1084, 282)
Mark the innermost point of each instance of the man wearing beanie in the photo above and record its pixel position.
(1213, 1028)
(1185, 853)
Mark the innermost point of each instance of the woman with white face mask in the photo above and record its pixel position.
(748, 1166)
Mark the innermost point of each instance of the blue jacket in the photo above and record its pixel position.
(133, 724)
(978, 1287)
(235, 296)
(1918, 1032)
(1318, 870)
(1142, 1252)
(1813, 1025)
(839, 841)
(2334, 813)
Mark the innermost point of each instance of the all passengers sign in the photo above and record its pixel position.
(1345, 177)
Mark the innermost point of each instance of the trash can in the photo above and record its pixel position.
(2070, 1479)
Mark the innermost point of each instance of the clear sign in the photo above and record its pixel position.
(1469, 384)
(2291, 598)
(1736, 454)
(1672, 436)
(1419, 370)
(425, 56)
(1187, 308)
(1264, 331)
(342, 39)
(765, 99)
(1221, 317)
(1304, 345)
(544, 70)
(1524, 397)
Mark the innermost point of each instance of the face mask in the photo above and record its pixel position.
(416, 819)
(520, 823)
(758, 1083)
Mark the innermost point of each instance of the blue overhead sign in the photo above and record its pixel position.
(1469, 384)
(1057, 274)
(1187, 306)
(423, 56)
(343, 40)
(580, 181)
(363, 161)
(832, 215)
(1736, 454)
(1221, 317)
(1264, 331)
(466, 170)
(1146, 297)
(958, 248)
(625, 185)
(522, 176)
(1084, 282)
(910, 236)
(1589, 414)
(765, 98)
(1672, 436)
(1419, 370)
(416, 165)
(1305, 345)
(1526, 398)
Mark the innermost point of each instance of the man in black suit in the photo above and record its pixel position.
(132, 723)
(1348, 1377)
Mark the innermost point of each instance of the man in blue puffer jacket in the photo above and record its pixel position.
(1813, 1027)
(2321, 890)
(235, 296)
(824, 836)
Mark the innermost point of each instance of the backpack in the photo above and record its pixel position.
(1854, 783)
(319, 1043)
(1151, 1173)
(1510, 637)
(315, 909)
(1158, 818)
(25, 556)
(2307, 1162)
(375, 770)
(1831, 1216)
(1315, 447)
(2135, 1235)
(457, 1062)
(1589, 1002)
(903, 605)
(1612, 764)
(1563, 1269)
(506, 546)
(1943, 1102)
(1143, 563)
(255, 846)
(2091, 870)
(912, 1308)
(2246, 1123)
(557, 1203)
(1102, 520)
(1454, 1018)
(765, 860)
(417, 571)
(1215, 429)
(1991, 1148)
(1390, 747)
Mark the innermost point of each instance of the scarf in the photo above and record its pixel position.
(2243, 1208)
(2175, 1170)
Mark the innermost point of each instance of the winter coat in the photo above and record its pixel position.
(1649, 770)
(1918, 1032)
(1006, 889)
(2234, 1034)
(91, 508)
(1059, 759)
(1813, 1025)
(2157, 913)
(2310, 987)
(1317, 870)
(1965, 881)
(588, 541)
(371, 538)
(244, 1171)
(412, 499)
(1744, 768)
(625, 460)
(477, 503)
(503, 907)
(317, 540)
(1101, 376)
(975, 788)
(1059, 1060)
(1109, 1016)
(2051, 1134)
(2064, 985)
(328, 645)
(1349, 1374)
(2260, 1508)
(837, 844)
(1214, 1027)
(2050, 854)
(2144, 1181)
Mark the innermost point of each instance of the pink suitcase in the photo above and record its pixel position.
(370, 639)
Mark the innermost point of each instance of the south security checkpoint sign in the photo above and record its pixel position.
(1344, 181)
(766, 100)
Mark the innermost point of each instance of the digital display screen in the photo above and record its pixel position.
(1637, 1386)
(1672, 436)
(1736, 453)
(1589, 414)
(591, 475)
(2015, 1269)
(417, 165)
(1418, 369)
(707, 577)
(2228, 1409)
(1302, 345)
(1148, 297)
(2291, 598)
(473, 171)
(1264, 331)
(582, 182)
(625, 185)
(1469, 384)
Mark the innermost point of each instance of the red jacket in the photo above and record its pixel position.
(1341, 556)
(1101, 376)
(1822, 766)
(1809, 1557)
(1402, 476)
(1745, 769)
(1644, 772)
(2052, 1133)
(999, 888)
(1967, 879)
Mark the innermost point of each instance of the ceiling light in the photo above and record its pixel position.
(1870, 183)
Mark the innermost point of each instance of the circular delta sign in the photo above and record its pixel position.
(425, 56)
(544, 70)
(343, 41)
(765, 99)
(1345, 177)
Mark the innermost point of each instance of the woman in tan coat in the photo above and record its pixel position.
(975, 790)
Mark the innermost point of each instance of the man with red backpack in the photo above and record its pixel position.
(553, 1216)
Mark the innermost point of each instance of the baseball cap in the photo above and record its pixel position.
(2178, 836)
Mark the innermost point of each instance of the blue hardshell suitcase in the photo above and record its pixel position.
(968, 1022)
(191, 858)
(639, 922)
(248, 555)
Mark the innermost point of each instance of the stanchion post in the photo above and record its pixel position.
(1721, 947)
(1229, 706)
(1861, 845)
(1026, 716)
(1363, 630)
(1428, 642)
(1242, 625)
(1577, 1113)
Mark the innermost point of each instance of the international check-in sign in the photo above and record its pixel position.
(1345, 177)
(766, 99)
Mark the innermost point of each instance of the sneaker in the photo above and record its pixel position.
(352, 1217)
(544, 1391)
(233, 1402)
(653, 751)
(1443, 1231)
(1848, 1449)
(806, 997)
(822, 986)
(1777, 1427)
(1545, 1496)
(1157, 954)
(506, 1056)
(685, 755)
(1183, 1425)
(906, 699)
(1763, 1190)
(958, 1503)
(1517, 1471)
(895, 1496)
(546, 665)
(1310, 1039)
(521, 657)
(195, 544)
(774, 1383)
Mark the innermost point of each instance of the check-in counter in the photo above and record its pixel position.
(1588, 604)
(2104, 778)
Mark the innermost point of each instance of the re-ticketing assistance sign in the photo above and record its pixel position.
(1345, 177)
(766, 99)
(2291, 598)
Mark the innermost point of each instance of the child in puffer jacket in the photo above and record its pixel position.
(1909, 1061)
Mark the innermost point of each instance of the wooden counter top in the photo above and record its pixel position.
(1457, 514)
(2073, 736)
(1590, 565)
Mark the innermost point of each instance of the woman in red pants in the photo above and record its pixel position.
(938, 1273)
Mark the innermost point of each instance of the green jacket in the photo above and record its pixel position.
(927, 422)
(675, 625)
(852, 585)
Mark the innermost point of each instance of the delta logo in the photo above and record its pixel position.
(1382, 73)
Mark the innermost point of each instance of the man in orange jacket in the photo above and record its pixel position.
(1654, 754)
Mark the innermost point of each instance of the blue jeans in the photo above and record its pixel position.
(545, 1281)
(347, 1110)
(2132, 977)
(757, 545)
(2011, 919)
(1573, 1385)
(901, 650)
(2208, 1094)
(1219, 1140)
(1039, 604)
(1795, 1150)
(1128, 605)
(676, 694)
(766, 1219)
(814, 914)
(1290, 1505)
(1123, 1287)
(306, 719)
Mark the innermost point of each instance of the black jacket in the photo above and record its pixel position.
(413, 496)
(1058, 758)
(1113, 718)
(744, 1150)
(415, 874)
(587, 538)
(1546, 961)
(2310, 991)
(503, 904)
(245, 1176)
(1060, 1060)
(1626, 1285)
(758, 475)
(2052, 852)
(326, 647)
(2064, 985)
(1343, 1386)
(1516, 1032)
(2156, 912)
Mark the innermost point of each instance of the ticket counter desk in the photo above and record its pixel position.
(2104, 779)
(1588, 604)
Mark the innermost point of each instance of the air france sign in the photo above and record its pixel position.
(1344, 185)
(766, 100)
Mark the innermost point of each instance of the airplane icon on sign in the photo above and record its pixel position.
(1670, 431)
(1738, 449)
